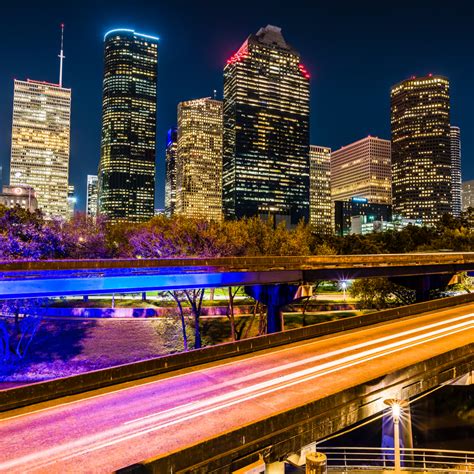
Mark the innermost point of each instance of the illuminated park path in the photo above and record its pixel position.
(108, 429)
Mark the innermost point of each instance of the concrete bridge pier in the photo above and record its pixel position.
(277, 467)
(274, 297)
(423, 284)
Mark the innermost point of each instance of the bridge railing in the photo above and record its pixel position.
(412, 459)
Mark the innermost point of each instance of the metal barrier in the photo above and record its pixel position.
(413, 459)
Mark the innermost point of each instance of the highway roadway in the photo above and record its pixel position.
(108, 429)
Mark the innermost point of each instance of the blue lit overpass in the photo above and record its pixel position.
(21, 279)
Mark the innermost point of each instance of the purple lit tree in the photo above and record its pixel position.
(19, 322)
(86, 237)
(25, 235)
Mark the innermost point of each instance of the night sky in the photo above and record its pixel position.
(354, 50)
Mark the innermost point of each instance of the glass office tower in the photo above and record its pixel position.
(321, 214)
(127, 161)
(170, 179)
(199, 159)
(421, 148)
(456, 180)
(266, 130)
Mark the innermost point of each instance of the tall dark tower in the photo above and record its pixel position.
(266, 130)
(127, 161)
(421, 148)
(170, 179)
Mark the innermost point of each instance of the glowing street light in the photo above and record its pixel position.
(396, 405)
(344, 288)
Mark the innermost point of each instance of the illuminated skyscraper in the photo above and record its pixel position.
(467, 194)
(421, 148)
(91, 200)
(199, 159)
(266, 129)
(456, 180)
(321, 214)
(71, 201)
(41, 141)
(170, 180)
(127, 161)
(362, 169)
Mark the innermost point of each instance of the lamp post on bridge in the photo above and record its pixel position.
(396, 405)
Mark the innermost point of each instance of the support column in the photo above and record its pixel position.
(422, 284)
(316, 463)
(422, 289)
(275, 468)
(274, 297)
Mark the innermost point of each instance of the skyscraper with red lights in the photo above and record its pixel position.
(266, 130)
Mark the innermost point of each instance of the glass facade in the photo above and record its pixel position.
(266, 130)
(456, 180)
(321, 214)
(345, 210)
(41, 143)
(127, 161)
(421, 148)
(362, 169)
(199, 159)
(92, 183)
(467, 194)
(170, 180)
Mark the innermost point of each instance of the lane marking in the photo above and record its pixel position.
(276, 352)
(346, 362)
(318, 357)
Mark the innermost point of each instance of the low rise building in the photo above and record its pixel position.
(20, 195)
(356, 206)
(365, 225)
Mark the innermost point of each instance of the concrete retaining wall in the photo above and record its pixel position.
(169, 311)
(42, 391)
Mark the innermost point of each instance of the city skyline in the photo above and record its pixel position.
(213, 49)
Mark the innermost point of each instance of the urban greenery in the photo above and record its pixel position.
(25, 235)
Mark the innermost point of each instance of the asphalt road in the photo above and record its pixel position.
(118, 426)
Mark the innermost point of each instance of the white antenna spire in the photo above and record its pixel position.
(61, 57)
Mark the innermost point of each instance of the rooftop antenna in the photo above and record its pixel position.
(61, 57)
(215, 94)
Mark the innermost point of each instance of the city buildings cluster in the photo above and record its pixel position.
(246, 155)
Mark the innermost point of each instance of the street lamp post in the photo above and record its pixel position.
(344, 287)
(396, 406)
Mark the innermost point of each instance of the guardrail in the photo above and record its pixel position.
(268, 263)
(413, 459)
(56, 388)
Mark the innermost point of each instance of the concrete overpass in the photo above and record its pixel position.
(22, 279)
(224, 415)
(271, 280)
